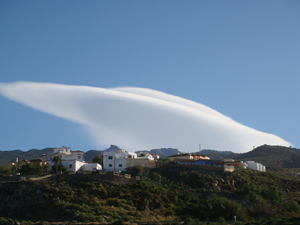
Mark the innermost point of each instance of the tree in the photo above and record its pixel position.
(294, 206)
(30, 169)
(56, 159)
(4, 170)
(98, 159)
(46, 168)
(14, 170)
(63, 169)
(138, 169)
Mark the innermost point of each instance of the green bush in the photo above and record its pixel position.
(221, 220)
(216, 207)
(294, 206)
(155, 176)
(30, 169)
(188, 221)
(273, 194)
(4, 170)
(116, 202)
(138, 169)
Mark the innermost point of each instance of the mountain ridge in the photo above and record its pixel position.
(270, 156)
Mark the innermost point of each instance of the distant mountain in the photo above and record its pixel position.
(89, 155)
(7, 157)
(274, 156)
(216, 155)
(162, 152)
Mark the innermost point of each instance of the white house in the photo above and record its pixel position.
(115, 160)
(120, 160)
(256, 166)
(73, 160)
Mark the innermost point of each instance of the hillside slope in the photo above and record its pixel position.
(274, 156)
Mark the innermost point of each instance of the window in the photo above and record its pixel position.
(70, 166)
(110, 165)
(110, 157)
(79, 157)
(120, 165)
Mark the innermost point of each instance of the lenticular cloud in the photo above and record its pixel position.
(139, 118)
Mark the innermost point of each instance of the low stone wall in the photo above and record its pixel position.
(7, 179)
(109, 177)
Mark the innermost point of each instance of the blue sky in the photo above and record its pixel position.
(241, 58)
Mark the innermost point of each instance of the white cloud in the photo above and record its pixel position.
(138, 118)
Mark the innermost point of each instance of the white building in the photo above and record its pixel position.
(115, 160)
(120, 160)
(91, 167)
(73, 160)
(256, 166)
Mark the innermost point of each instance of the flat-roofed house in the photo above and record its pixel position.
(181, 156)
(72, 160)
(120, 160)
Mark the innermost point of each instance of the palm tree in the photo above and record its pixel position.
(56, 159)
(46, 168)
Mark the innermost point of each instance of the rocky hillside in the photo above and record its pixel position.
(170, 194)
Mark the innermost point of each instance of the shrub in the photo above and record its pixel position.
(155, 176)
(188, 221)
(294, 206)
(138, 169)
(30, 169)
(116, 202)
(261, 209)
(223, 207)
(273, 194)
(4, 170)
(221, 220)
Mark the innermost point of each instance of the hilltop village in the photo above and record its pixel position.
(119, 187)
(116, 159)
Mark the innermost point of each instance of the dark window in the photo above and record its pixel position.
(110, 165)
(70, 166)
(120, 165)
(110, 157)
